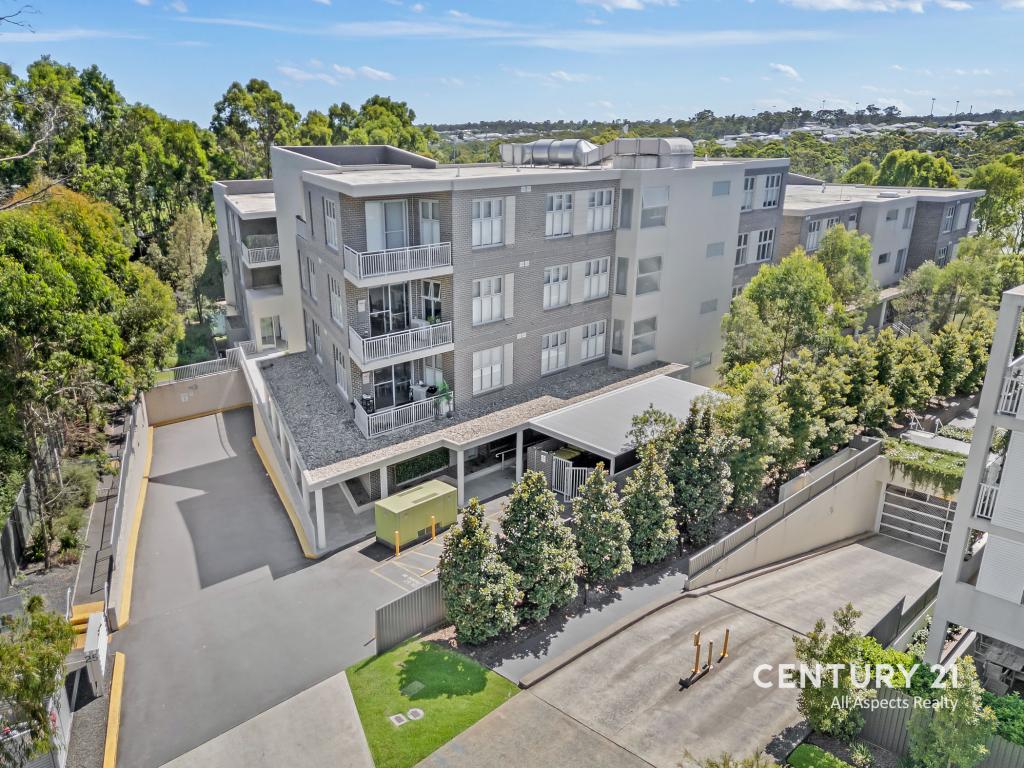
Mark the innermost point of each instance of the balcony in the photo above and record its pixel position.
(986, 502)
(1010, 395)
(400, 346)
(382, 422)
(369, 268)
(302, 228)
(261, 250)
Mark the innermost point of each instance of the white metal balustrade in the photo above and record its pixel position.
(261, 250)
(382, 422)
(1010, 396)
(376, 348)
(986, 502)
(397, 261)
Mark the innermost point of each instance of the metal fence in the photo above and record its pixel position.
(129, 446)
(419, 611)
(888, 728)
(869, 449)
(16, 533)
(232, 359)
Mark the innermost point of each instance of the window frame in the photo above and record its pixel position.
(749, 187)
(558, 214)
(651, 276)
(596, 271)
(772, 190)
(491, 299)
(649, 219)
(948, 216)
(493, 366)
(593, 344)
(717, 186)
(337, 300)
(813, 235)
(651, 345)
(330, 222)
(554, 346)
(477, 222)
(766, 244)
(556, 291)
(742, 249)
(600, 214)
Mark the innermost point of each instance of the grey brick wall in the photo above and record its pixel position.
(755, 220)
(927, 238)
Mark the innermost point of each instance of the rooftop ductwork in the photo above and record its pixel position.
(675, 152)
(548, 152)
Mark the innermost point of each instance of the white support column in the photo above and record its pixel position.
(611, 466)
(460, 475)
(519, 455)
(321, 532)
(384, 482)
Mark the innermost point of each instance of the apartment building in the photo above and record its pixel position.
(907, 226)
(982, 586)
(431, 308)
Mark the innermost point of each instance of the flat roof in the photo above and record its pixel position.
(253, 204)
(803, 197)
(601, 424)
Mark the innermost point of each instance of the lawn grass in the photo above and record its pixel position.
(452, 690)
(810, 756)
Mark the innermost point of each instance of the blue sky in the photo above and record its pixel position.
(461, 60)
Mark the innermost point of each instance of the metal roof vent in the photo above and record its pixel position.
(548, 152)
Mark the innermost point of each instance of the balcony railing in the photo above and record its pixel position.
(1010, 396)
(397, 261)
(376, 348)
(986, 502)
(382, 422)
(260, 250)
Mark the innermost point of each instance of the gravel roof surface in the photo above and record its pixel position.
(331, 444)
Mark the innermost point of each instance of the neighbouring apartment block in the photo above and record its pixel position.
(982, 587)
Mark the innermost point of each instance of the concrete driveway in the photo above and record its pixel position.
(626, 692)
(228, 618)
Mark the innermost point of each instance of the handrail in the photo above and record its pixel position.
(416, 412)
(374, 348)
(395, 261)
(986, 502)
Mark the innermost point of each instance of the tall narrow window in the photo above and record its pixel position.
(430, 222)
(487, 370)
(618, 331)
(963, 210)
(311, 277)
(600, 203)
(432, 375)
(316, 340)
(488, 300)
(488, 221)
(772, 190)
(331, 223)
(644, 333)
(595, 279)
(554, 351)
(908, 218)
(648, 276)
(901, 259)
(813, 235)
(558, 214)
(621, 275)
(749, 182)
(339, 370)
(593, 340)
(626, 209)
(765, 244)
(431, 301)
(337, 301)
(741, 248)
(654, 207)
(947, 218)
(556, 286)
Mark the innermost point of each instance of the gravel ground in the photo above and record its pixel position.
(53, 584)
(89, 728)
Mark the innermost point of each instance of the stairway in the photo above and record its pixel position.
(80, 621)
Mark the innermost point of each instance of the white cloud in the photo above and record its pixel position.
(458, 14)
(417, 7)
(1013, 4)
(569, 77)
(144, 2)
(191, 44)
(977, 72)
(301, 75)
(322, 2)
(593, 21)
(898, 67)
(179, 6)
(786, 70)
(725, 78)
(375, 74)
(344, 72)
(557, 77)
(452, 82)
(64, 35)
(878, 6)
(626, 5)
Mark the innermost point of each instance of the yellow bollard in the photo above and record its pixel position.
(725, 645)
(696, 659)
(711, 645)
(398, 547)
(433, 528)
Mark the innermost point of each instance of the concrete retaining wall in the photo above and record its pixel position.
(181, 400)
(846, 509)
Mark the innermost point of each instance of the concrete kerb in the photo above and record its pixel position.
(550, 667)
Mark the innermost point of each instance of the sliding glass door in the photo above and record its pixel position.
(389, 309)
(392, 386)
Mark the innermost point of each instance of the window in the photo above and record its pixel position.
(831, 221)
(339, 369)
(488, 301)
(737, 290)
(943, 255)
(303, 274)
(593, 340)
(556, 286)
(644, 332)
(741, 248)
(772, 190)
(337, 302)
(851, 221)
(891, 216)
(621, 275)
(947, 218)
(765, 244)
(883, 258)
(430, 222)
(487, 370)
(554, 352)
(654, 207)
(431, 301)
(316, 340)
(714, 250)
(270, 330)
(311, 277)
(908, 218)
(488, 221)
(600, 204)
(962, 211)
(901, 259)
(813, 235)
(331, 223)
(595, 279)
(721, 188)
(626, 209)
(749, 182)
(432, 375)
(618, 327)
(711, 305)
(558, 214)
(308, 329)
(648, 275)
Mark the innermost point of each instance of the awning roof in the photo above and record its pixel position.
(600, 424)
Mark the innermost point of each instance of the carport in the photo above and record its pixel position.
(597, 429)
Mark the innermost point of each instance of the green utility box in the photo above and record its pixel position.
(409, 512)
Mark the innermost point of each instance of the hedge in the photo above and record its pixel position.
(927, 466)
(421, 465)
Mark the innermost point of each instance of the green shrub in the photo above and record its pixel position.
(810, 756)
(79, 485)
(69, 527)
(35, 552)
(1009, 715)
(421, 465)
(927, 466)
(861, 756)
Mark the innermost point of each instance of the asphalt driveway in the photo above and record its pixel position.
(228, 618)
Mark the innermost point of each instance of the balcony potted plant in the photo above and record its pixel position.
(444, 399)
